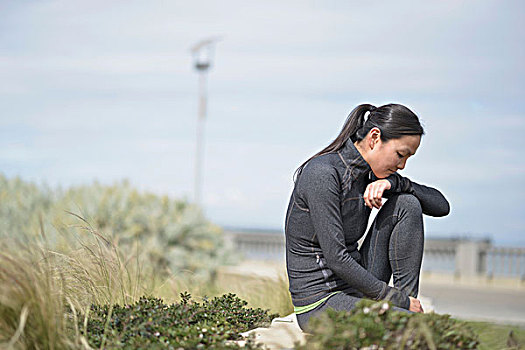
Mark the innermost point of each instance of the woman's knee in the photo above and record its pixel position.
(408, 202)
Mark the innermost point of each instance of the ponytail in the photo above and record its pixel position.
(393, 120)
(353, 123)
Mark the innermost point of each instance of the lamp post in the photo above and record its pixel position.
(202, 55)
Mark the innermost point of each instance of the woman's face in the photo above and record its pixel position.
(388, 157)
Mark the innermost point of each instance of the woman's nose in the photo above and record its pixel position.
(401, 165)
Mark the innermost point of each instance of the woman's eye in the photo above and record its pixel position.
(399, 155)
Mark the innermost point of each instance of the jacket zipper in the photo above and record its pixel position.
(320, 262)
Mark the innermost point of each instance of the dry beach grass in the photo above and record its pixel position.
(43, 291)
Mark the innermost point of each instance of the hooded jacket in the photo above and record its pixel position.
(326, 216)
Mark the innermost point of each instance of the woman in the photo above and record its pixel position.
(334, 193)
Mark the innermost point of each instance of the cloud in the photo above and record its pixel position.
(106, 90)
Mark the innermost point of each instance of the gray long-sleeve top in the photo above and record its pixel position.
(326, 217)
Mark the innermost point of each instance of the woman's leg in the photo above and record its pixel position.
(394, 243)
(338, 302)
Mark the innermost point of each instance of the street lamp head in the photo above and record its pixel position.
(202, 66)
(203, 53)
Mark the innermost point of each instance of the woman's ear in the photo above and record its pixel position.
(374, 137)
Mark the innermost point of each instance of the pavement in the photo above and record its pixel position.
(481, 303)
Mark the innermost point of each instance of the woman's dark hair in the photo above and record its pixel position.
(393, 120)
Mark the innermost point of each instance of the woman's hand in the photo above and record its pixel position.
(415, 305)
(373, 195)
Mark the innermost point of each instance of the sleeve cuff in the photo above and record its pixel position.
(393, 182)
(397, 297)
(399, 184)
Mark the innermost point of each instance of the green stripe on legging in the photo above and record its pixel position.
(306, 308)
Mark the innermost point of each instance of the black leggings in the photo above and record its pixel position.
(392, 247)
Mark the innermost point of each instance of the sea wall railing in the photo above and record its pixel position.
(463, 257)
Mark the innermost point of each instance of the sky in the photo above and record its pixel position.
(106, 90)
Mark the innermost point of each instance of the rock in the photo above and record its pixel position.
(282, 333)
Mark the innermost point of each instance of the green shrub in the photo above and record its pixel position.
(376, 325)
(150, 323)
(173, 234)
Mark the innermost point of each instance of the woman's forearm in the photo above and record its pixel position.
(432, 201)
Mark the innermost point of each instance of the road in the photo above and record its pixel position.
(477, 302)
